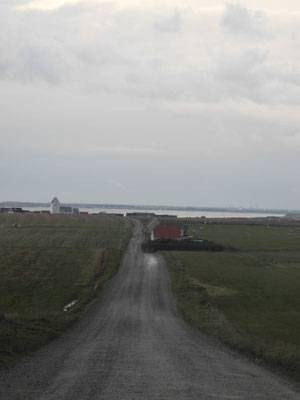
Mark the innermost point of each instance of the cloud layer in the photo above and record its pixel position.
(152, 88)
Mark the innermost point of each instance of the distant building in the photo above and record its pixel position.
(11, 210)
(55, 206)
(17, 210)
(66, 210)
(166, 232)
(141, 214)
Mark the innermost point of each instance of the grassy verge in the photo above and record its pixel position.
(46, 262)
(250, 299)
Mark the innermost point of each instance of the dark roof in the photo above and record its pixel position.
(167, 231)
(54, 198)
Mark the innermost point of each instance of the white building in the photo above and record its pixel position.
(55, 206)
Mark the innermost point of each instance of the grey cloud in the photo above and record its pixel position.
(32, 64)
(241, 75)
(81, 8)
(240, 66)
(249, 75)
(237, 19)
(26, 53)
(40, 63)
(171, 24)
(11, 3)
(95, 46)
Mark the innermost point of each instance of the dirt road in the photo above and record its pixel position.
(131, 344)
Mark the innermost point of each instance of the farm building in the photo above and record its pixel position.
(17, 209)
(166, 232)
(55, 206)
(66, 210)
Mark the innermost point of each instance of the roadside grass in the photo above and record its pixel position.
(250, 299)
(248, 237)
(45, 264)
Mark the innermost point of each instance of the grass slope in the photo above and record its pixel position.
(250, 298)
(46, 262)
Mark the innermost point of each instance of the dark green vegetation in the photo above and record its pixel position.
(46, 262)
(182, 245)
(249, 298)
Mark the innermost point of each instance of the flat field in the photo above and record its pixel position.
(46, 262)
(249, 298)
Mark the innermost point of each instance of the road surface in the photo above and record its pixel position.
(131, 344)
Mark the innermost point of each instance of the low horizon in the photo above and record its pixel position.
(148, 206)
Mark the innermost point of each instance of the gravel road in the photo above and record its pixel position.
(131, 344)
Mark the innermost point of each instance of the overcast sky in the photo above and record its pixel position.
(151, 102)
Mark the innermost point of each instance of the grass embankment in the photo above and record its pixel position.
(249, 298)
(46, 262)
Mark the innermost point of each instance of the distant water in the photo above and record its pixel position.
(179, 213)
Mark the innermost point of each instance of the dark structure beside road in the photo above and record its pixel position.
(184, 244)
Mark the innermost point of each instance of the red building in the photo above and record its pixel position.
(166, 232)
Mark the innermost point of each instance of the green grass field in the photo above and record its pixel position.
(47, 261)
(250, 298)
